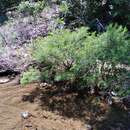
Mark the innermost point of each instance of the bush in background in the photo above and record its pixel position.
(121, 12)
(84, 12)
(31, 8)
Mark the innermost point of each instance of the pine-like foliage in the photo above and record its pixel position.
(31, 75)
(84, 58)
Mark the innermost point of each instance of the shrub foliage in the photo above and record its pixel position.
(31, 75)
(33, 8)
(83, 58)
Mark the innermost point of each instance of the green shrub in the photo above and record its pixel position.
(64, 7)
(60, 50)
(26, 7)
(83, 58)
(29, 76)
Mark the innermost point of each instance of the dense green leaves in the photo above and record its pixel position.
(31, 75)
(83, 57)
(115, 45)
(26, 7)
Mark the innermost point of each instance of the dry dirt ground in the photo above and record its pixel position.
(11, 106)
(53, 110)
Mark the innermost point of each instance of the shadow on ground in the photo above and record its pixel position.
(115, 119)
(88, 109)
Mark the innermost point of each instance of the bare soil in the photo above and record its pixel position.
(11, 106)
(50, 109)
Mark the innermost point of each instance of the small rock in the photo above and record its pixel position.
(89, 127)
(4, 80)
(43, 84)
(28, 125)
(25, 115)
